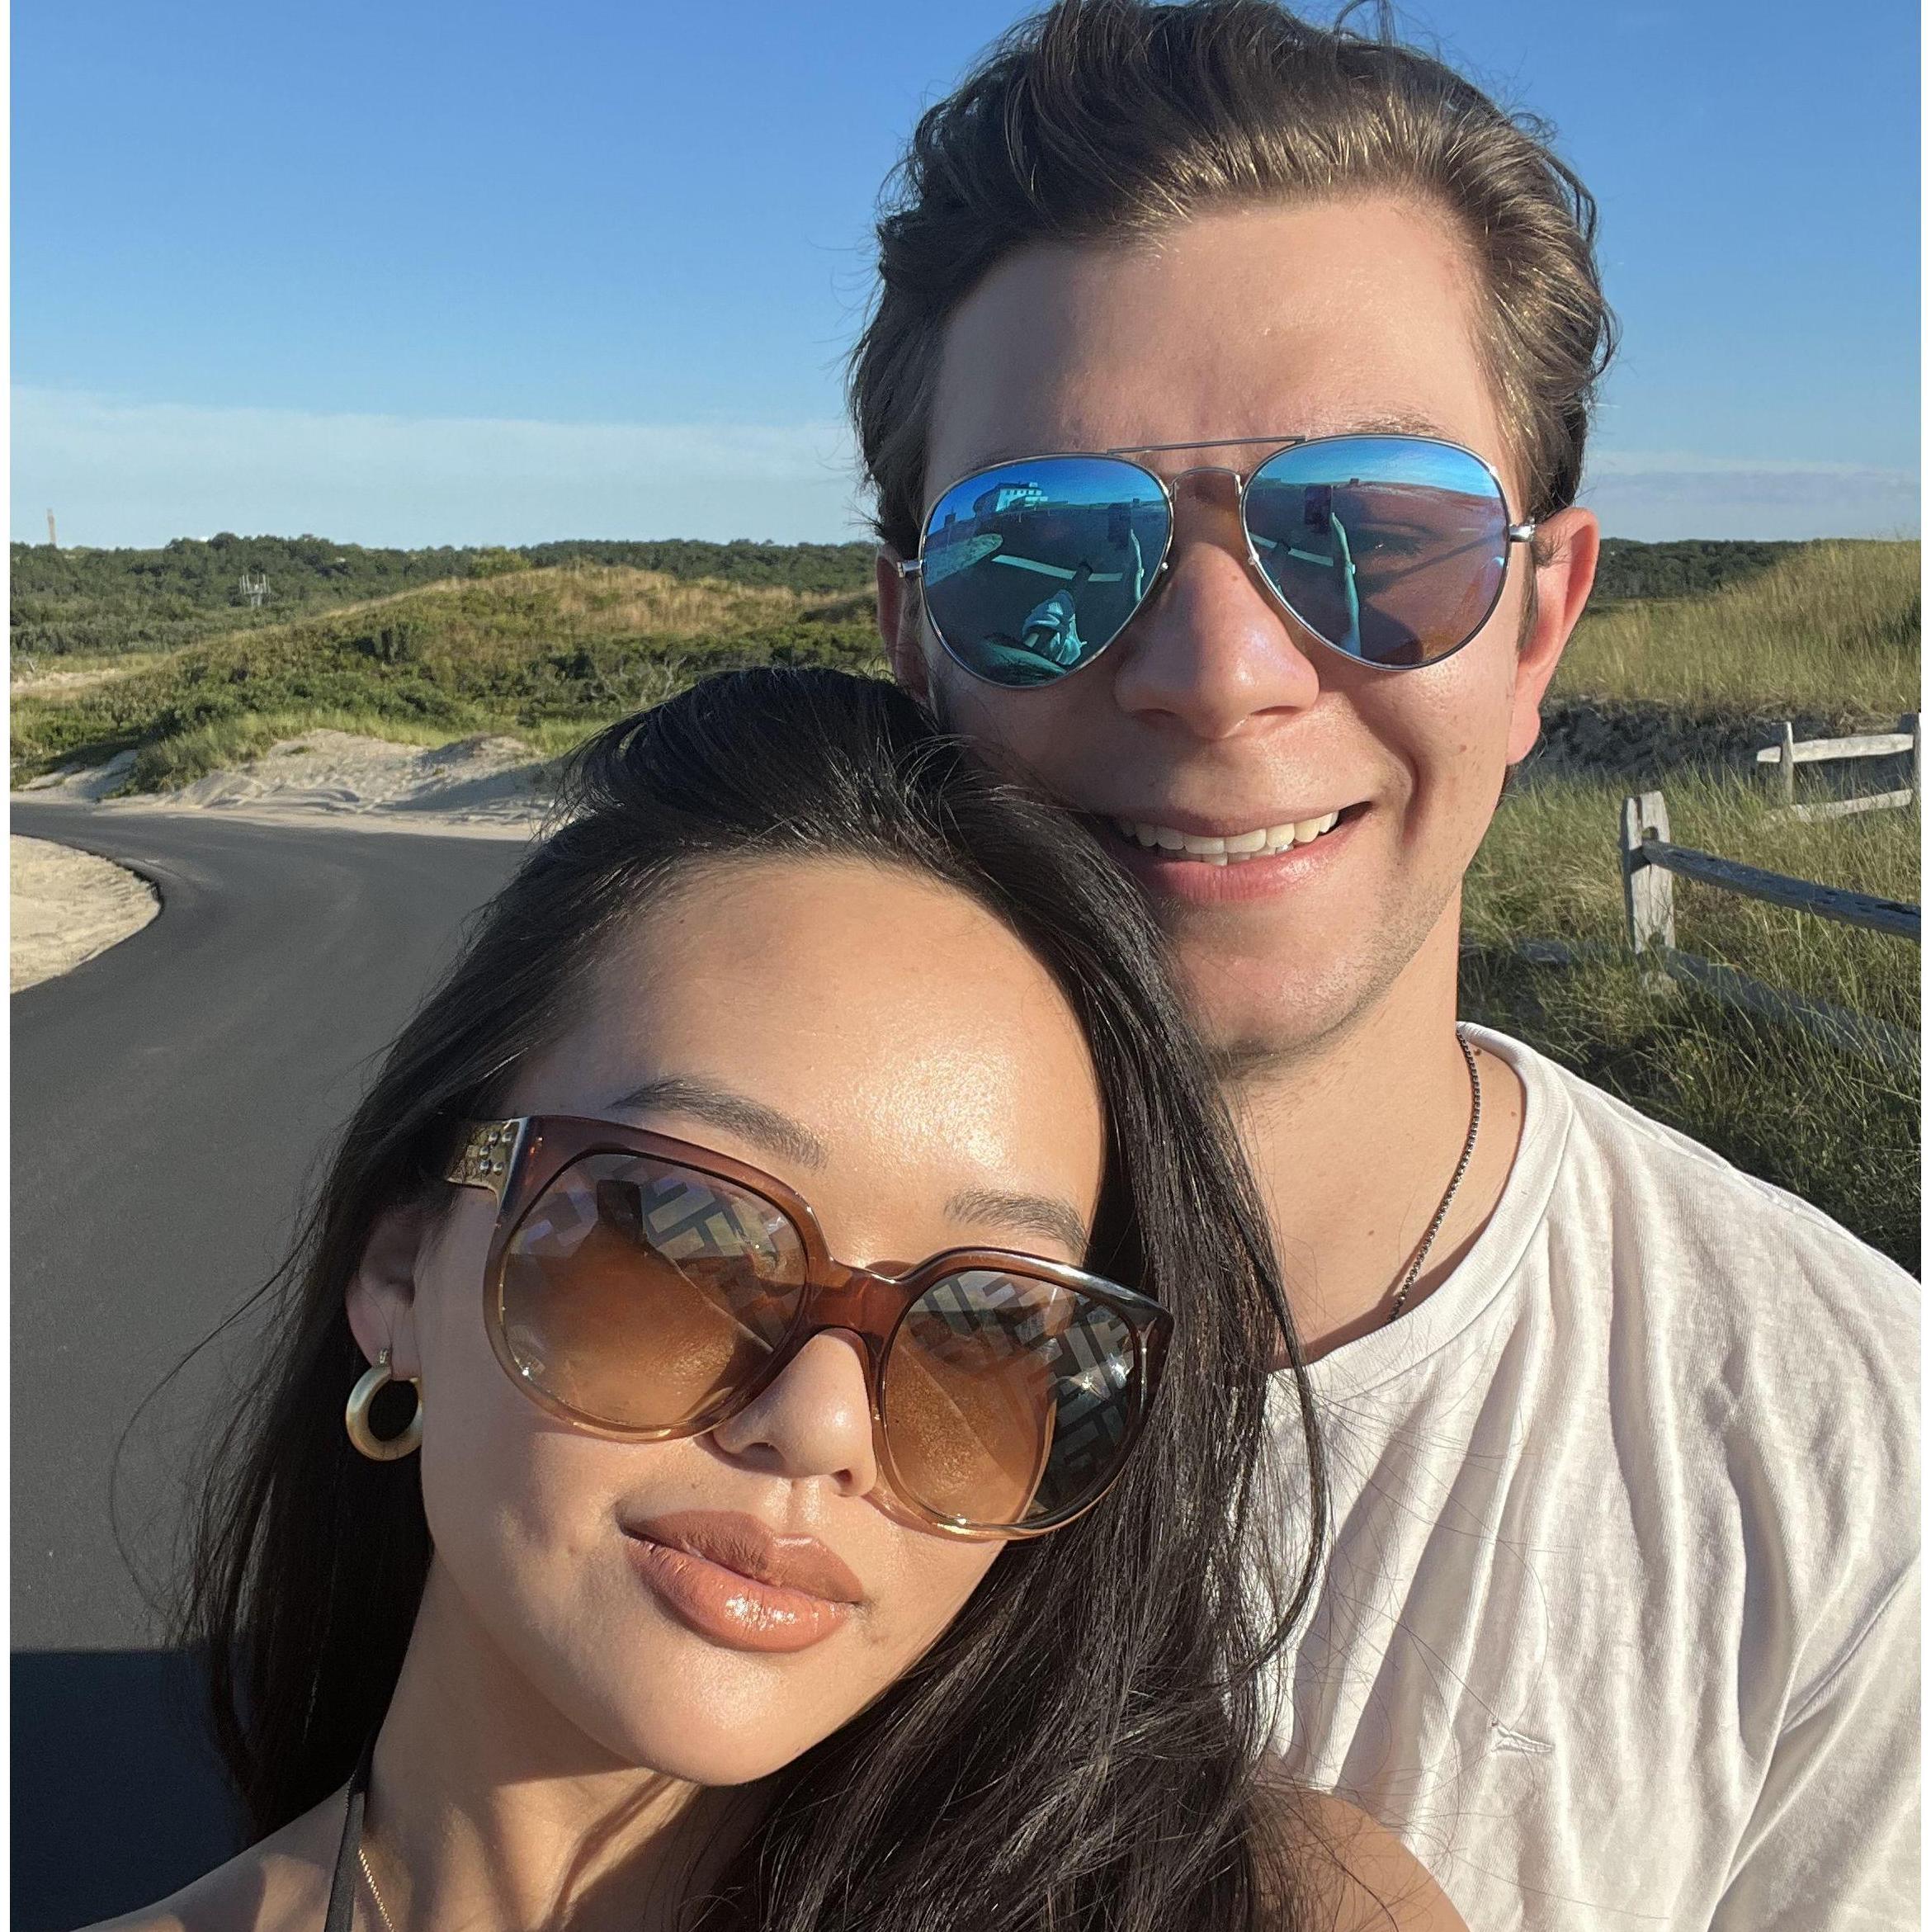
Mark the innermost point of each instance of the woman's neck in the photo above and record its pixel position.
(488, 1807)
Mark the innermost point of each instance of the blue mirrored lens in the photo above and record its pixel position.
(1391, 548)
(1032, 568)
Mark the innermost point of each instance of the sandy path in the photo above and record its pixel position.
(66, 907)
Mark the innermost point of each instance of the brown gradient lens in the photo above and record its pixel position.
(641, 1294)
(1006, 1400)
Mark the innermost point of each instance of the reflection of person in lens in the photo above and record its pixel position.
(1052, 627)
(607, 1679)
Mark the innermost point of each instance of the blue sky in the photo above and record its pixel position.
(412, 273)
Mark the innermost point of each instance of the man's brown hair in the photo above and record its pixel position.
(1105, 120)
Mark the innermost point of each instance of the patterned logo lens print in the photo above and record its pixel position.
(639, 1292)
(1045, 1366)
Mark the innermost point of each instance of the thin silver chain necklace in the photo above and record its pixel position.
(1468, 1148)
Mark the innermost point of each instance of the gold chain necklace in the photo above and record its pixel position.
(1468, 1147)
(382, 1910)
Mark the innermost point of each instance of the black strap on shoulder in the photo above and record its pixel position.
(342, 1889)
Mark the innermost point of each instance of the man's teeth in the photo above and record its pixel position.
(1232, 851)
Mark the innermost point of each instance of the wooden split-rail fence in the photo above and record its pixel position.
(1791, 751)
(1652, 861)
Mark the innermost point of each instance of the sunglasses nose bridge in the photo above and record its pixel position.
(859, 1301)
(1227, 514)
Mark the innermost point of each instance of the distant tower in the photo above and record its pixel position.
(52, 541)
(254, 587)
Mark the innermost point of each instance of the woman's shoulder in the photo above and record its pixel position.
(280, 1885)
(1346, 1872)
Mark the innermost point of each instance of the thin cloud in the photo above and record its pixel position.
(128, 473)
(1657, 495)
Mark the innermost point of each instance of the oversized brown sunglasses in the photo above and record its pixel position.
(644, 1287)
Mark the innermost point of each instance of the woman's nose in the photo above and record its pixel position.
(814, 1420)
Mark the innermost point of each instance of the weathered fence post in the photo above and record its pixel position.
(1648, 892)
(1786, 763)
(1912, 723)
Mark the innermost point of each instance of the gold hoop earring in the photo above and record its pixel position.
(356, 1417)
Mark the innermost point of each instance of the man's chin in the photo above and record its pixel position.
(1253, 1010)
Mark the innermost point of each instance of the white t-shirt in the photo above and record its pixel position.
(1619, 1627)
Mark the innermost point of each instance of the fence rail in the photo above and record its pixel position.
(1650, 864)
(1829, 902)
(1791, 751)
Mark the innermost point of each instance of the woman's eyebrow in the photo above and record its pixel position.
(1034, 1214)
(765, 1127)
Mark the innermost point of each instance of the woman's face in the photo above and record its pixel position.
(892, 1052)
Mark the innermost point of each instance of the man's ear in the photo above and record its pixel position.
(1568, 544)
(898, 626)
(381, 1294)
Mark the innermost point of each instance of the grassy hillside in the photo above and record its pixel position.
(1830, 629)
(95, 603)
(546, 654)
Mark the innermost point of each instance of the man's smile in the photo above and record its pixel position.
(1229, 849)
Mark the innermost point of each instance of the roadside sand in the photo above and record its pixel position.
(66, 907)
(482, 786)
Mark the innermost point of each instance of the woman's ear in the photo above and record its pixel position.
(382, 1291)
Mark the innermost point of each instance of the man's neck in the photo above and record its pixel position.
(1354, 1141)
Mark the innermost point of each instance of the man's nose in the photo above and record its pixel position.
(1212, 654)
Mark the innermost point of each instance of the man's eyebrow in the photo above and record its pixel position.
(1032, 1214)
(750, 1120)
(1396, 422)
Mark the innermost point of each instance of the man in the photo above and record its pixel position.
(1618, 1626)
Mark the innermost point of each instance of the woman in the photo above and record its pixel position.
(784, 1532)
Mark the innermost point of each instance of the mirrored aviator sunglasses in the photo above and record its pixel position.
(1392, 549)
(644, 1287)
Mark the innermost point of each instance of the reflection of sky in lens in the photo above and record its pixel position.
(1390, 462)
(1077, 482)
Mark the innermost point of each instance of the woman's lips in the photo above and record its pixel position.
(732, 1581)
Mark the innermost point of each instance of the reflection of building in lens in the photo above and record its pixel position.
(1004, 498)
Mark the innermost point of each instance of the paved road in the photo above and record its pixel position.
(172, 1100)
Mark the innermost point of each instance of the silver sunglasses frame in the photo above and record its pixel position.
(910, 568)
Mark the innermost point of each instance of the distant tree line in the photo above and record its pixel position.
(69, 601)
(1688, 569)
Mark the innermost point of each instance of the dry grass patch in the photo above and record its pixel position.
(1833, 631)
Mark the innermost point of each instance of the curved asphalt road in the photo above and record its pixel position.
(172, 1099)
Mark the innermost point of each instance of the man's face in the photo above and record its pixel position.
(1215, 714)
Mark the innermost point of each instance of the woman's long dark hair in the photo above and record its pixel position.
(1078, 1750)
